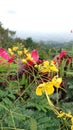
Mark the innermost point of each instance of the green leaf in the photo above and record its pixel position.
(33, 124)
(7, 101)
(11, 96)
(69, 73)
(1, 93)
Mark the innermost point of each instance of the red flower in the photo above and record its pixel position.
(30, 63)
(63, 54)
(11, 60)
(69, 61)
(35, 57)
(4, 54)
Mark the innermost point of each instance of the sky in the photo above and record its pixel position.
(41, 16)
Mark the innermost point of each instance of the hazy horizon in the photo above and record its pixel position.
(46, 36)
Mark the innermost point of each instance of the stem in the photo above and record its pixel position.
(13, 120)
(18, 77)
(57, 96)
(49, 101)
(10, 128)
(51, 104)
(8, 71)
(1, 126)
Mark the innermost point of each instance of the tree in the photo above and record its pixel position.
(6, 36)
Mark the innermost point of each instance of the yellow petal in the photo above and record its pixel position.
(71, 127)
(49, 88)
(9, 50)
(19, 53)
(61, 114)
(24, 61)
(38, 91)
(15, 48)
(72, 120)
(56, 81)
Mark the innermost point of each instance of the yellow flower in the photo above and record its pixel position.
(47, 66)
(68, 115)
(71, 127)
(25, 50)
(15, 48)
(56, 81)
(72, 119)
(29, 57)
(46, 63)
(11, 53)
(44, 67)
(36, 66)
(45, 87)
(49, 88)
(53, 67)
(61, 114)
(24, 61)
(40, 89)
(19, 53)
(9, 50)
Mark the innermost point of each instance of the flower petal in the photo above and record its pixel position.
(49, 88)
(4, 54)
(38, 91)
(35, 55)
(63, 54)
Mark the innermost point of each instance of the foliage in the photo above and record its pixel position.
(20, 107)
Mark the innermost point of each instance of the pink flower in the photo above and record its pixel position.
(4, 54)
(63, 54)
(35, 58)
(35, 55)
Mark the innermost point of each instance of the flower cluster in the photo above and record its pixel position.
(48, 86)
(30, 58)
(15, 50)
(63, 56)
(24, 54)
(47, 66)
(66, 116)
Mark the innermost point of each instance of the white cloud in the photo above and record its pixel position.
(37, 15)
